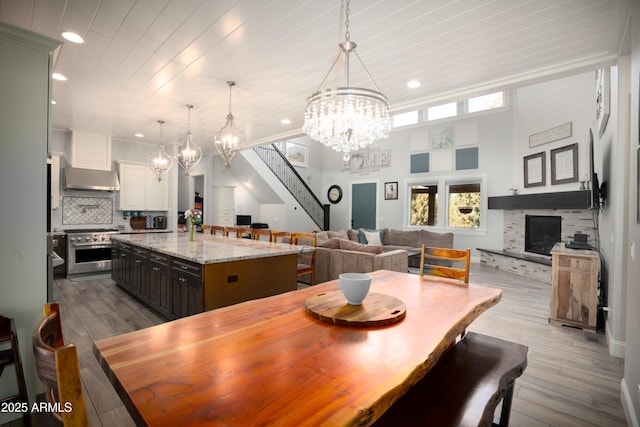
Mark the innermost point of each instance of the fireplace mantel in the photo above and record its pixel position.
(580, 199)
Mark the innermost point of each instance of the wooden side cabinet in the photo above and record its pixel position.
(574, 287)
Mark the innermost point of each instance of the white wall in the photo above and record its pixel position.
(24, 132)
(547, 105)
(631, 380)
(495, 143)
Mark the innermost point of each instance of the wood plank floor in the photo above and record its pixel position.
(570, 379)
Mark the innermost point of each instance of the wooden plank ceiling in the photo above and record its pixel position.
(145, 60)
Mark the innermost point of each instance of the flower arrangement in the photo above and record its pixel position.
(192, 215)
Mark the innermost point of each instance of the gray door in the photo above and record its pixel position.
(363, 205)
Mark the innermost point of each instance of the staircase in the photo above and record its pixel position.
(289, 177)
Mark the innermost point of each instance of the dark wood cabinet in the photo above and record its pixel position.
(187, 295)
(159, 284)
(175, 287)
(138, 273)
(120, 264)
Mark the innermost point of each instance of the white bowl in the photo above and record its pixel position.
(354, 286)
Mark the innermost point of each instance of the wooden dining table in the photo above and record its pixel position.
(269, 362)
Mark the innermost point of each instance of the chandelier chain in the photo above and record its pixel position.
(347, 34)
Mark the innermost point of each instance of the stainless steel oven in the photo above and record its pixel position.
(88, 251)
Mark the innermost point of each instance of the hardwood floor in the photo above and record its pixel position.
(570, 379)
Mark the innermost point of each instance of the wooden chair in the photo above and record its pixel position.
(257, 232)
(242, 231)
(58, 368)
(11, 356)
(281, 236)
(218, 229)
(464, 388)
(207, 229)
(306, 258)
(448, 255)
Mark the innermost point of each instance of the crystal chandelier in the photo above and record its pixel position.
(347, 118)
(189, 154)
(159, 162)
(229, 138)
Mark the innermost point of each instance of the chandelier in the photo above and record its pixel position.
(189, 154)
(347, 118)
(159, 162)
(229, 138)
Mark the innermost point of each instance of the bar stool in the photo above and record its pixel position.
(11, 356)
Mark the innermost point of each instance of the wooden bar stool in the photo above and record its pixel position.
(257, 232)
(11, 356)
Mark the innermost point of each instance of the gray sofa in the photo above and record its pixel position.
(346, 251)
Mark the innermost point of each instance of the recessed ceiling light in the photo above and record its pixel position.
(139, 135)
(413, 84)
(53, 102)
(58, 76)
(72, 37)
(285, 121)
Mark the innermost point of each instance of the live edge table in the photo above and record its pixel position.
(268, 362)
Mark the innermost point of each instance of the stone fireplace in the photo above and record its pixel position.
(514, 258)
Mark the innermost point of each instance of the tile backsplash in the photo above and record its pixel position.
(87, 210)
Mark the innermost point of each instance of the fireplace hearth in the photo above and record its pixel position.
(541, 233)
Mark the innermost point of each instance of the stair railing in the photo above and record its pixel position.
(291, 179)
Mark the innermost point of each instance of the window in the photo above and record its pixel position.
(442, 111)
(424, 205)
(485, 102)
(405, 119)
(464, 205)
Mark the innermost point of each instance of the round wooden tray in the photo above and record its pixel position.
(376, 309)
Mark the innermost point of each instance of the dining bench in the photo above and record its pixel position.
(464, 388)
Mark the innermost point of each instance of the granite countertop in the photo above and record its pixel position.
(207, 249)
(144, 231)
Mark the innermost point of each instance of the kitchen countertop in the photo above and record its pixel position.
(207, 249)
(144, 231)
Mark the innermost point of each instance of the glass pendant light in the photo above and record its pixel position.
(347, 118)
(229, 139)
(159, 162)
(189, 154)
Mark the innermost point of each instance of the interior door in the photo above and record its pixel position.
(364, 205)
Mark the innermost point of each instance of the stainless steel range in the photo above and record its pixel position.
(89, 250)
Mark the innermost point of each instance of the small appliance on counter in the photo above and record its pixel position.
(160, 222)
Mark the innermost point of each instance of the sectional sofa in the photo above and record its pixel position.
(364, 251)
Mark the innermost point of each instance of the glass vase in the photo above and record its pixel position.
(192, 231)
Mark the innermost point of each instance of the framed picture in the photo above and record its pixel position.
(564, 164)
(296, 153)
(441, 137)
(391, 190)
(550, 135)
(535, 170)
(602, 99)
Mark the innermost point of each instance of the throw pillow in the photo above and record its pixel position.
(364, 239)
(332, 243)
(321, 236)
(355, 246)
(373, 237)
(352, 234)
(342, 234)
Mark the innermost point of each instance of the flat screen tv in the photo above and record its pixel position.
(243, 220)
(595, 185)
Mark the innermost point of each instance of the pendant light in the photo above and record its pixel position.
(229, 139)
(159, 162)
(347, 118)
(189, 154)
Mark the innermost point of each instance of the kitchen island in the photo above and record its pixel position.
(177, 277)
